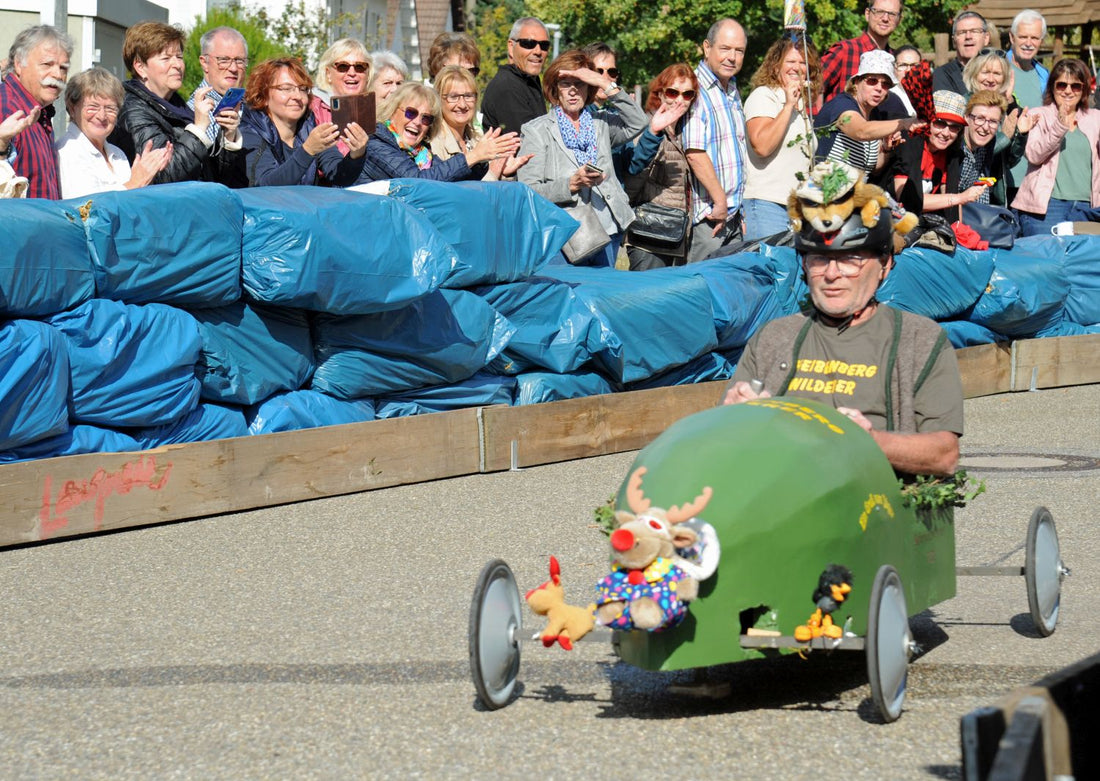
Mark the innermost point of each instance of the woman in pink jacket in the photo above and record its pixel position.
(1063, 154)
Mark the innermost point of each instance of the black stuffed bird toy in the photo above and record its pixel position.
(833, 587)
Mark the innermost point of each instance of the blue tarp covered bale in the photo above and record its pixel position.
(206, 422)
(501, 231)
(176, 244)
(251, 351)
(743, 295)
(444, 337)
(306, 409)
(935, 284)
(963, 333)
(539, 387)
(340, 252)
(648, 322)
(554, 330)
(1026, 293)
(481, 390)
(705, 368)
(45, 266)
(1082, 263)
(785, 269)
(34, 383)
(130, 365)
(78, 440)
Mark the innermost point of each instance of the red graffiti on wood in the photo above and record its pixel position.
(53, 516)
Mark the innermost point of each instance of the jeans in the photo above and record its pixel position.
(1057, 211)
(765, 218)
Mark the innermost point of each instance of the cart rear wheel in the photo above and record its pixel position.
(1043, 571)
(495, 626)
(889, 643)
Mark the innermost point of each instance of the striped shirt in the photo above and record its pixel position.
(716, 125)
(34, 155)
(213, 128)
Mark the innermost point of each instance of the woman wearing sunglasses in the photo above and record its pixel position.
(456, 134)
(861, 133)
(657, 167)
(1063, 154)
(284, 143)
(572, 163)
(781, 144)
(399, 147)
(344, 69)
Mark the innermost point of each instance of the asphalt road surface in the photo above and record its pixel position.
(328, 639)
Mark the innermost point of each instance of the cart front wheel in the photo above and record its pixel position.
(495, 627)
(889, 643)
(1043, 571)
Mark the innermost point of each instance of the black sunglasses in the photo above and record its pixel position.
(1062, 86)
(612, 73)
(474, 70)
(531, 43)
(344, 67)
(425, 119)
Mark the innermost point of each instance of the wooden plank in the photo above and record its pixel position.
(60, 497)
(592, 426)
(1057, 362)
(986, 369)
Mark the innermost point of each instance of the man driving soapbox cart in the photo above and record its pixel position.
(794, 492)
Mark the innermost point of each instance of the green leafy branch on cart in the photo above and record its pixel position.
(928, 492)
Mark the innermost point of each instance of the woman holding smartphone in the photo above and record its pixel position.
(284, 143)
(572, 147)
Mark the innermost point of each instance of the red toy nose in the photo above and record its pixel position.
(622, 540)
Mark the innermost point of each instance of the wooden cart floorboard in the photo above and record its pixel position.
(61, 497)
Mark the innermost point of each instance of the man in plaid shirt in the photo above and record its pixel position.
(841, 61)
(714, 141)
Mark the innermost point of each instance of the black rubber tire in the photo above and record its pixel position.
(1043, 571)
(494, 634)
(888, 643)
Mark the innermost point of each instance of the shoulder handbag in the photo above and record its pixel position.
(995, 224)
(662, 226)
(589, 238)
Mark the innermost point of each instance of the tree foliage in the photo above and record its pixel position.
(654, 34)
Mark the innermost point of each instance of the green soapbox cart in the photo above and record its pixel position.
(795, 486)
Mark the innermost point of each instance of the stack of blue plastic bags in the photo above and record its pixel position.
(190, 312)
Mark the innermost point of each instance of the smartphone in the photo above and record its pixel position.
(234, 97)
(354, 108)
(593, 168)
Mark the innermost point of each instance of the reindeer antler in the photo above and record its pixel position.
(555, 571)
(635, 498)
(691, 509)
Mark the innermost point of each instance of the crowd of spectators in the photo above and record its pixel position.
(988, 127)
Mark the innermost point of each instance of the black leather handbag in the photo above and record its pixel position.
(995, 224)
(659, 226)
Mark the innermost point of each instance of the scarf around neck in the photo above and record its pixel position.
(580, 141)
(420, 154)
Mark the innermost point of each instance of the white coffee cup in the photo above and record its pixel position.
(1063, 229)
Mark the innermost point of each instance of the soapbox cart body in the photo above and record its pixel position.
(796, 486)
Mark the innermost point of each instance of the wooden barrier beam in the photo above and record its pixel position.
(986, 369)
(591, 426)
(1054, 363)
(59, 497)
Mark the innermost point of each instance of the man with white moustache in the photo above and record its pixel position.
(38, 66)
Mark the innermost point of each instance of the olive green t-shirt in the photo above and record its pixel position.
(848, 369)
(1073, 181)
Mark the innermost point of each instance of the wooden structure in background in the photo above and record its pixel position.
(72, 495)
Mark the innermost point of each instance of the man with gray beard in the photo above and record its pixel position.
(38, 66)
